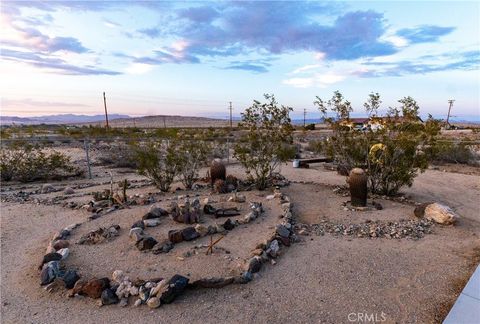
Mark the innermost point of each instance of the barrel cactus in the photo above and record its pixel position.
(217, 171)
(357, 181)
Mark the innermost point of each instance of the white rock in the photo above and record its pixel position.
(440, 214)
(201, 229)
(137, 303)
(274, 248)
(118, 276)
(270, 197)
(68, 191)
(133, 290)
(152, 222)
(153, 302)
(71, 227)
(149, 285)
(64, 253)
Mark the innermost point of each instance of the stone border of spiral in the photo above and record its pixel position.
(157, 291)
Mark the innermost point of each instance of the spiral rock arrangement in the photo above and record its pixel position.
(157, 291)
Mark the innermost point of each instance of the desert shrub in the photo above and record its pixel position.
(309, 127)
(455, 152)
(157, 160)
(190, 157)
(262, 147)
(119, 155)
(29, 163)
(392, 154)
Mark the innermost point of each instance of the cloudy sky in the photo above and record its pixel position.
(192, 58)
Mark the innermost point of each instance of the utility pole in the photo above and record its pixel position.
(105, 104)
(450, 102)
(304, 115)
(230, 114)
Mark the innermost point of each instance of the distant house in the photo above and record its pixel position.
(373, 123)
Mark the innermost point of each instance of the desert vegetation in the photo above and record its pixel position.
(26, 163)
(392, 153)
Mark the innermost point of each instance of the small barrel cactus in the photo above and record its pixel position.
(217, 171)
(357, 181)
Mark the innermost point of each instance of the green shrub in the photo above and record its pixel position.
(455, 152)
(28, 163)
(191, 156)
(262, 147)
(392, 154)
(157, 160)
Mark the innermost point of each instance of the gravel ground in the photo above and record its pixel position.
(325, 279)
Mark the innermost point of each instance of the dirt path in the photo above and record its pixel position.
(323, 279)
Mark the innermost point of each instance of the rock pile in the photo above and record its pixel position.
(51, 273)
(100, 235)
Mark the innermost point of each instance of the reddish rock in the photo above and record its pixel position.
(92, 288)
(60, 244)
(175, 236)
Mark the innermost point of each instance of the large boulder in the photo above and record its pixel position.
(440, 214)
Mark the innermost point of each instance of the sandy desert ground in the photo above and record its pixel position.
(323, 278)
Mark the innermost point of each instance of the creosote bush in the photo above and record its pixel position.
(392, 149)
(27, 163)
(157, 161)
(163, 160)
(265, 144)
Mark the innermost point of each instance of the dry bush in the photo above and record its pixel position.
(28, 163)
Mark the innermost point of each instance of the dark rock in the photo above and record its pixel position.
(189, 233)
(146, 243)
(70, 278)
(155, 213)
(139, 224)
(378, 206)
(162, 247)
(109, 297)
(282, 230)
(175, 236)
(54, 256)
(49, 272)
(209, 209)
(213, 282)
(254, 265)
(244, 278)
(284, 240)
(228, 225)
(176, 286)
(419, 211)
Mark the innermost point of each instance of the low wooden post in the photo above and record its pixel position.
(85, 144)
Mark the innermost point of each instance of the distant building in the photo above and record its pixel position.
(373, 123)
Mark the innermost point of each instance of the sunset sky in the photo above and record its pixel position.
(192, 58)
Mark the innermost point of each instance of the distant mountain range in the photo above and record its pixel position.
(58, 119)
